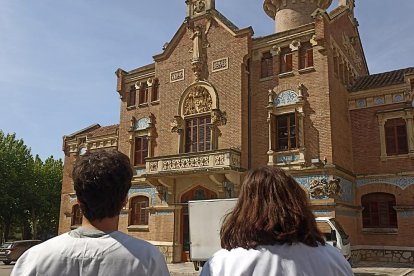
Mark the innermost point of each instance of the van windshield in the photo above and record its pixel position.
(6, 245)
(341, 231)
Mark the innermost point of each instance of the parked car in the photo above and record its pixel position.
(11, 251)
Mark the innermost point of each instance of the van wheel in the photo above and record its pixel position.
(7, 262)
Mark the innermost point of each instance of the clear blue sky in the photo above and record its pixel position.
(58, 58)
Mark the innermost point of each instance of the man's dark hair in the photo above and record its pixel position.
(102, 180)
(272, 209)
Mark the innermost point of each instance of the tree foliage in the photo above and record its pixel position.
(30, 190)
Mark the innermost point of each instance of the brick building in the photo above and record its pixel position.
(218, 101)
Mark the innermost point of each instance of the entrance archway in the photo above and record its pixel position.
(196, 193)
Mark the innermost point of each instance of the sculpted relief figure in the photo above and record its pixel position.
(323, 188)
(197, 38)
(198, 101)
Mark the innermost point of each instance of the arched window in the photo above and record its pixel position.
(76, 215)
(378, 211)
(139, 210)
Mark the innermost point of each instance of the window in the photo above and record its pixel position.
(140, 150)
(396, 136)
(198, 134)
(285, 135)
(378, 211)
(76, 215)
(285, 60)
(131, 97)
(139, 210)
(143, 93)
(305, 56)
(336, 65)
(266, 65)
(154, 93)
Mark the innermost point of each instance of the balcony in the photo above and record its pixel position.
(223, 160)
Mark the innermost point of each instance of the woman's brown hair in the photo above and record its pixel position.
(272, 209)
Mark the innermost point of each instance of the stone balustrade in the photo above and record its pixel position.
(227, 159)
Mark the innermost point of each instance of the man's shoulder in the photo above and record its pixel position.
(132, 242)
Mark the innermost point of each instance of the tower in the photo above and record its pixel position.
(290, 14)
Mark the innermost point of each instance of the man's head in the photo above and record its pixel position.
(102, 180)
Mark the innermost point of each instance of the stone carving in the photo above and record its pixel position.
(177, 164)
(220, 64)
(349, 47)
(197, 38)
(235, 160)
(197, 101)
(199, 6)
(286, 98)
(142, 123)
(218, 118)
(219, 160)
(153, 166)
(323, 188)
(177, 124)
(177, 75)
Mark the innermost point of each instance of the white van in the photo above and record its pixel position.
(206, 218)
(335, 235)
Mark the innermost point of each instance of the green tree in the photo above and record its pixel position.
(29, 190)
(43, 197)
(15, 172)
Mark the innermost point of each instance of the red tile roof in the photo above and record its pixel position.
(381, 79)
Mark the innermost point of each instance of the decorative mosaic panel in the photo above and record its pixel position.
(361, 103)
(346, 185)
(379, 100)
(402, 182)
(163, 213)
(306, 180)
(347, 190)
(322, 213)
(139, 171)
(142, 123)
(286, 98)
(146, 189)
(397, 98)
(288, 158)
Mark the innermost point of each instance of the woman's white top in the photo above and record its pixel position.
(295, 259)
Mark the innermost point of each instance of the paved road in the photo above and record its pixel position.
(363, 269)
(5, 270)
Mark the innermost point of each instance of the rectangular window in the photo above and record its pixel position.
(266, 65)
(305, 55)
(396, 137)
(154, 92)
(131, 97)
(143, 93)
(140, 151)
(285, 132)
(336, 65)
(198, 134)
(286, 64)
(378, 211)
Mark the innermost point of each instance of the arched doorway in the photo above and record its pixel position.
(196, 193)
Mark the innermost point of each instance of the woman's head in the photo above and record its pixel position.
(272, 208)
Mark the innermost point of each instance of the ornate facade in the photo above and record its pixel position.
(218, 101)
